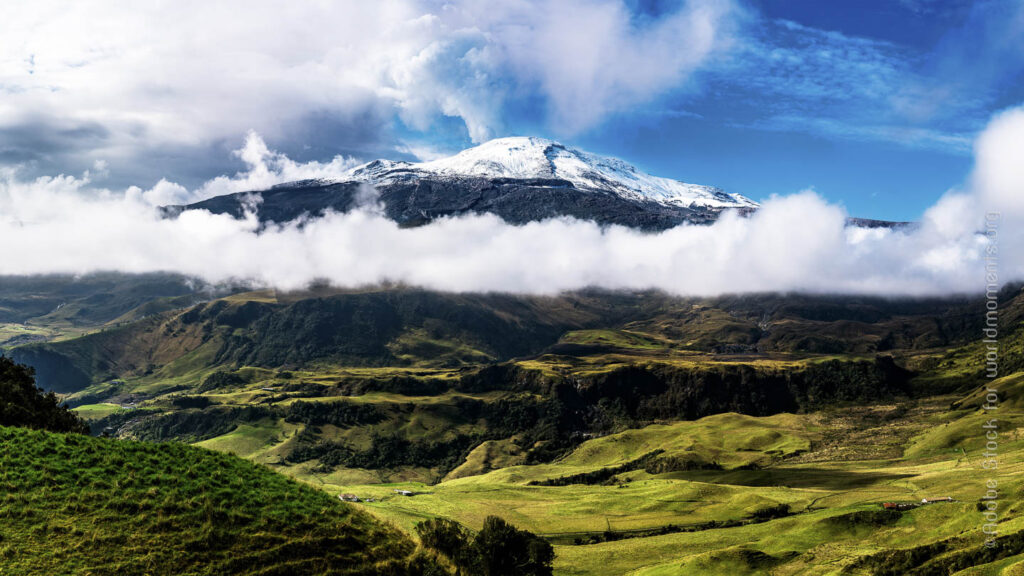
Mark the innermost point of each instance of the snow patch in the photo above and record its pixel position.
(539, 158)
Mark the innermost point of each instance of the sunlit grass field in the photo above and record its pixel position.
(75, 504)
(794, 465)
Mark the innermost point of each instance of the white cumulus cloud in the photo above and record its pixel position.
(117, 80)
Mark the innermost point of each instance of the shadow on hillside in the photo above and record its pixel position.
(791, 477)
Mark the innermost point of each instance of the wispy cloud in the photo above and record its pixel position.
(790, 77)
(591, 59)
(909, 136)
(810, 64)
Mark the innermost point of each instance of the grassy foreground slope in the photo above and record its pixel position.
(72, 504)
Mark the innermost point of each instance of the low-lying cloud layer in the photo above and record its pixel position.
(793, 243)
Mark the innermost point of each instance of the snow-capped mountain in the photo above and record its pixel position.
(528, 158)
(520, 180)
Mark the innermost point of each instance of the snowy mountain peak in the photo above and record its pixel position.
(517, 157)
(539, 158)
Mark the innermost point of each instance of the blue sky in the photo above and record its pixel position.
(874, 104)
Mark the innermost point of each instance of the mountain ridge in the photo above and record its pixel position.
(519, 179)
(532, 158)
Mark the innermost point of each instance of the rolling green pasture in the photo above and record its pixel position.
(789, 459)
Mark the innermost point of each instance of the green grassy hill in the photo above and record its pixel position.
(73, 504)
(384, 327)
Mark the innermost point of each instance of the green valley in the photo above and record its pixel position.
(636, 433)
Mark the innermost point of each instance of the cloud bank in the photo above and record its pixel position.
(794, 243)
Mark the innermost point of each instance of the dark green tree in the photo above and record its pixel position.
(449, 538)
(504, 550)
(25, 405)
(499, 549)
